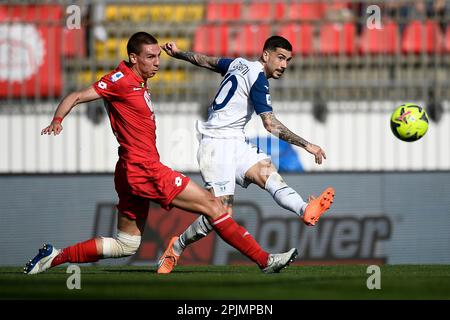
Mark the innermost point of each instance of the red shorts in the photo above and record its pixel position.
(139, 183)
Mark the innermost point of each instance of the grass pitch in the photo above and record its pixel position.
(230, 282)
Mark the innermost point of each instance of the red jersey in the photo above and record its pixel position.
(130, 112)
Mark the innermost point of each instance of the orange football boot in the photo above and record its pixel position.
(317, 207)
(169, 259)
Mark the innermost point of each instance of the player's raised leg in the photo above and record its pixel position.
(125, 244)
(265, 175)
(196, 199)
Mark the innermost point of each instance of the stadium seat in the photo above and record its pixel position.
(264, 11)
(4, 15)
(305, 11)
(376, 41)
(421, 37)
(74, 42)
(447, 39)
(111, 50)
(250, 39)
(336, 5)
(300, 36)
(87, 77)
(211, 39)
(182, 43)
(338, 38)
(176, 12)
(112, 13)
(223, 11)
(191, 12)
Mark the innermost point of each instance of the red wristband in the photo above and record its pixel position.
(57, 119)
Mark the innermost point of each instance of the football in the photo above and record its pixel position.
(409, 122)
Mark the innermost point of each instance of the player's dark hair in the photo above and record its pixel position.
(138, 39)
(275, 42)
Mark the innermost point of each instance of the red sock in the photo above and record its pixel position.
(239, 238)
(80, 252)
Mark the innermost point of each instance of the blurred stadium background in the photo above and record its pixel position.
(392, 198)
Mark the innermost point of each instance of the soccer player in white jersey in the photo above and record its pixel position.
(226, 157)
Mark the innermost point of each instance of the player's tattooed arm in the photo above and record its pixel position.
(278, 129)
(199, 59)
(195, 58)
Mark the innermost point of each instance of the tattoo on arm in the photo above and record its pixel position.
(272, 124)
(227, 200)
(199, 59)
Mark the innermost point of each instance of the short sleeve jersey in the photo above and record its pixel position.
(130, 112)
(243, 91)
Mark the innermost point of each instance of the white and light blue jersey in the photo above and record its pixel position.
(244, 90)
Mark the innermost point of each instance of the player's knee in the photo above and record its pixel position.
(214, 208)
(129, 243)
(124, 245)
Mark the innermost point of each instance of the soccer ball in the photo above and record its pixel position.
(409, 122)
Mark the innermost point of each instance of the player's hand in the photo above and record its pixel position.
(55, 127)
(317, 151)
(170, 48)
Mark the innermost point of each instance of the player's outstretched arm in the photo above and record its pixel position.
(70, 101)
(197, 59)
(278, 129)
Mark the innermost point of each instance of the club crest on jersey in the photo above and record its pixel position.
(116, 76)
(268, 99)
(148, 101)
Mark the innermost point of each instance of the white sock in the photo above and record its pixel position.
(285, 196)
(199, 229)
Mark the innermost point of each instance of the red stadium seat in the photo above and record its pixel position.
(211, 39)
(385, 40)
(447, 39)
(421, 37)
(223, 11)
(264, 11)
(300, 36)
(337, 38)
(74, 42)
(305, 11)
(336, 5)
(250, 39)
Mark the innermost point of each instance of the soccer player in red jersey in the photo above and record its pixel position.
(139, 176)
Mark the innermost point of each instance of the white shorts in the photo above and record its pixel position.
(224, 162)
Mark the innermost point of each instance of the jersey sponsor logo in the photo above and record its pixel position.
(102, 85)
(137, 89)
(116, 76)
(268, 99)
